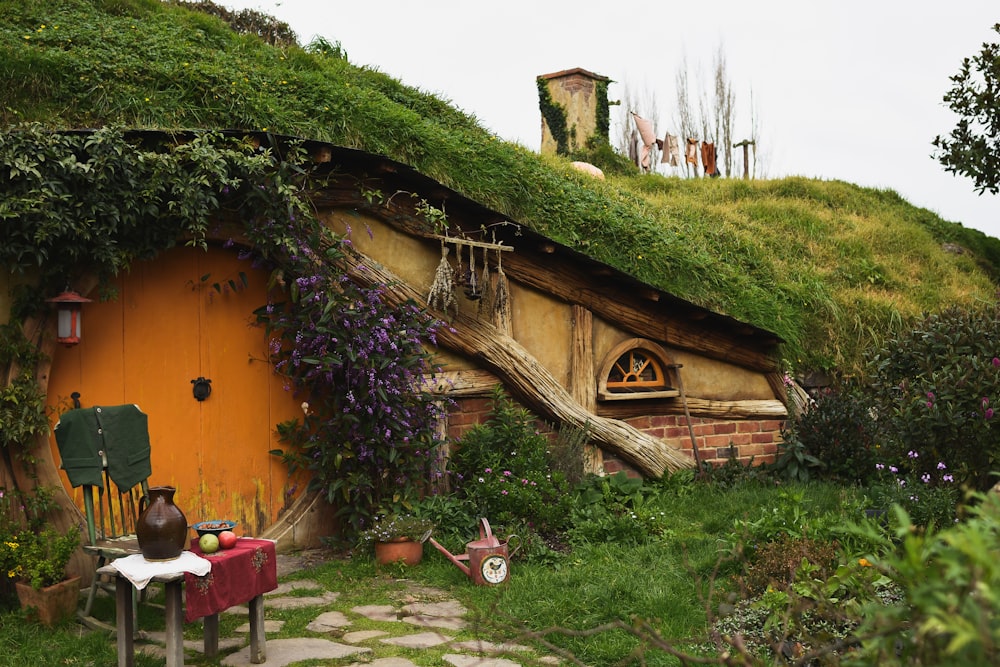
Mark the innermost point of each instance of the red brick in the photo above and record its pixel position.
(704, 429)
(725, 427)
(656, 432)
(763, 437)
(717, 441)
(676, 432)
(611, 466)
(748, 426)
(740, 439)
(663, 420)
(770, 425)
(641, 423)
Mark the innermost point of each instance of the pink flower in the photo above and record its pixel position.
(996, 362)
(506, 473)
(504, 492)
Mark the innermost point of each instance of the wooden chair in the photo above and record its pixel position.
(105, 450)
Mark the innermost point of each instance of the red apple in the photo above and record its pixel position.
(227, 539)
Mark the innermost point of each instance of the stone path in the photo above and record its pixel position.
(430, 619)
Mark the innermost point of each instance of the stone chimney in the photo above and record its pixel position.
(574, 106)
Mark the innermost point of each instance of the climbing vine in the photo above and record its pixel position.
(76, 204)
(603, 129)
(554, 115)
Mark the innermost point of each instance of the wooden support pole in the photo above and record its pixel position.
(746, 143)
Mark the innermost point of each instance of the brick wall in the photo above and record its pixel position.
(718, 439)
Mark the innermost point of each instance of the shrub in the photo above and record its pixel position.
(927, 498)
(501, 469)
(950, 583)
(934, 387)
(774, 564)
(839, 431)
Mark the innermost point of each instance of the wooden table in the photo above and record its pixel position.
(224, 564)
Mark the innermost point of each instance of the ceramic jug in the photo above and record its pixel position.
(161, 527)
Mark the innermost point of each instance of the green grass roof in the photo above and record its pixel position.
(826, 265)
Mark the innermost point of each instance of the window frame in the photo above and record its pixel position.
(666, 387)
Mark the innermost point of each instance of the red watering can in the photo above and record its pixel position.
(489, 561)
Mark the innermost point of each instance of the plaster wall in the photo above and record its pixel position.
(703, 377)
(539, 323)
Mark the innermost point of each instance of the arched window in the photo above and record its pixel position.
(637, 369)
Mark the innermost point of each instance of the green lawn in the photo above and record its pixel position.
(662, 581)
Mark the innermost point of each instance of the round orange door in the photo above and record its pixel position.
(178, 319)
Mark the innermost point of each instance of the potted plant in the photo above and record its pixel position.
(398, 538)
(35, 556)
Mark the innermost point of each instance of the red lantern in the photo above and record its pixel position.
(69, 311)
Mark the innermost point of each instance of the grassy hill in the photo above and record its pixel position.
(826, 265)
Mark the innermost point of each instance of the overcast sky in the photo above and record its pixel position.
(847, 90)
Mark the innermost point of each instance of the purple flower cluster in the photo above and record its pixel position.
(359, 361)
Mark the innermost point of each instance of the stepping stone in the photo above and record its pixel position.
(445, 623)
(282, 652)
(419, 640)
(384, 662)
(481, 646)
(297, 603)
(362, 636)
(270, 627)
(289, 586)
(476, 661)
(446, 608)
(377, 612)
(327, 621)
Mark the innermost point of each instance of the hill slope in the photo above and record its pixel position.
(826, 265)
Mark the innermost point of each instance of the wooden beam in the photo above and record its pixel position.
(528, 379)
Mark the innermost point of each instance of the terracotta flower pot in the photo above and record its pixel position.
(401, 549)
(50, 605)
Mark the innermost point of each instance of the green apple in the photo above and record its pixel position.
(208, 543)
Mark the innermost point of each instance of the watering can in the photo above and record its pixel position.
(487, 557)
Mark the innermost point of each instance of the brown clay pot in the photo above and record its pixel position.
(404, 550)
(161, 528)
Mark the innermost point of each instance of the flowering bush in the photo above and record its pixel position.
(926, 496)
(935, 387)
(501, 467)
(367, 431)
(39, 558)
(31, 550)
(840, 432)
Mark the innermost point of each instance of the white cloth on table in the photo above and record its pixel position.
(140, 571)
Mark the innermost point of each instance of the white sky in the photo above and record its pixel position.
(847, 90)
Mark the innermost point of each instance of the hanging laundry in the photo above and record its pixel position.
(691, 151)
(671, 150)
(645, 129)
(708, 157)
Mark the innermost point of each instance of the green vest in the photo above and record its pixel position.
(115, 436)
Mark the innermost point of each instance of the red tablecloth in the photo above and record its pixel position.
(238, 575)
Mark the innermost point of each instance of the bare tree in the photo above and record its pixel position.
(725, 112)
(685, 119)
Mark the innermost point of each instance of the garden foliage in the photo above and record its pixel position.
(501, 468)
(840, 432)
(934, 388)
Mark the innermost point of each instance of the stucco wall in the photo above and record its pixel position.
(703, 377)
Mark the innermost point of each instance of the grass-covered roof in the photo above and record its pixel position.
(826, 265)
